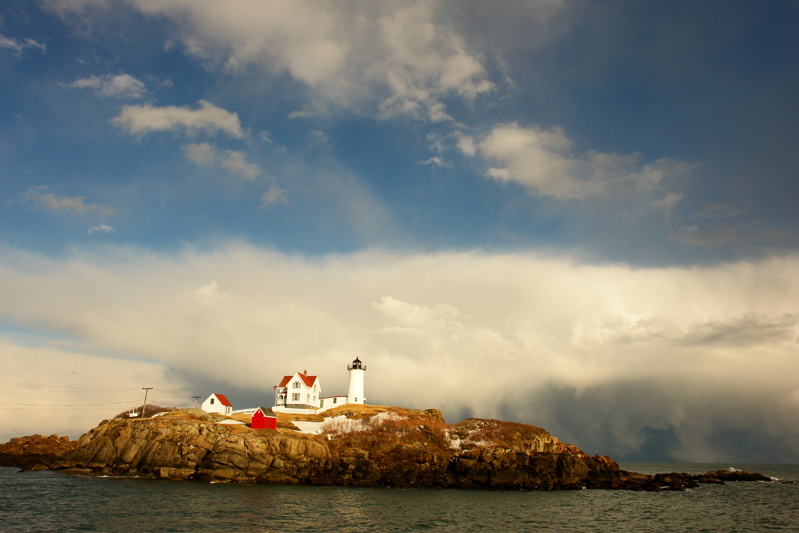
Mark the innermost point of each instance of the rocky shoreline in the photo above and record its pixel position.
(394, 447)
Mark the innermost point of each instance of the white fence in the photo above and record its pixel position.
(331, 402)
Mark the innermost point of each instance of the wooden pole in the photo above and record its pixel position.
(146, 390)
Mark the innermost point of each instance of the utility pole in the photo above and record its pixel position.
(146, 390)
(195, 401)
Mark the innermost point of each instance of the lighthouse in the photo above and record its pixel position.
(355, 390)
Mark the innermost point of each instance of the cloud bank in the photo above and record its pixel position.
(658, 363)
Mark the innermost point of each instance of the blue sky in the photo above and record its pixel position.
(594, 200)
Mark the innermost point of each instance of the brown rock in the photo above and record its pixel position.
(382, 447)
(179, 474)
(34, 451)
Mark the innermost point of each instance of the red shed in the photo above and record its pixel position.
(263, 418)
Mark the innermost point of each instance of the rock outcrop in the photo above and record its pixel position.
(35, 452)
(394, 448)
(192, 444)
(419, 449)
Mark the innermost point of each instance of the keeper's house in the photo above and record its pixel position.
(299, 391)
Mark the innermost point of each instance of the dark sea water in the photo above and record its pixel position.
(48, 501)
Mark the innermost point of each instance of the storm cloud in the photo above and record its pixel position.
(635, 363)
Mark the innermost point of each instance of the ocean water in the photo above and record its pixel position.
(53, 502)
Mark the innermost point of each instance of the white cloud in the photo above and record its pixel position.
(201, 154)
(295, 36)
(119, 86)
(274, 195)
(383, 59)
(207, 118)
(538, 159)
(668, 202)
(235, 161)
(415, 316)
(210, 296)
(466, 145)
(434, 161)
(20, 46)
(545, 162)
(748, 329)
(424, 62)
(489, 335)
(102, 228)
(39, 198)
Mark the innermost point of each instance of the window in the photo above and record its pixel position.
(212, 401)
(296, 385)
(295, 397)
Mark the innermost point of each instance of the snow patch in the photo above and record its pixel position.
(342, 424)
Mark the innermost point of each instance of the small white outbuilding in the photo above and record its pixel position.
(217, 403)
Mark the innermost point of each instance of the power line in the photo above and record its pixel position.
(69, 405)
(54, 409)
(57, 388)
(34, 387)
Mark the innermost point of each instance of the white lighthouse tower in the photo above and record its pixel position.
(355, 390)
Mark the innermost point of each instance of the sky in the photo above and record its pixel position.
(578, 215)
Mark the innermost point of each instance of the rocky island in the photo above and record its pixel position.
(357, 445)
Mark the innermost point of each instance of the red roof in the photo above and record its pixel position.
(308, 380)
(223, 400)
